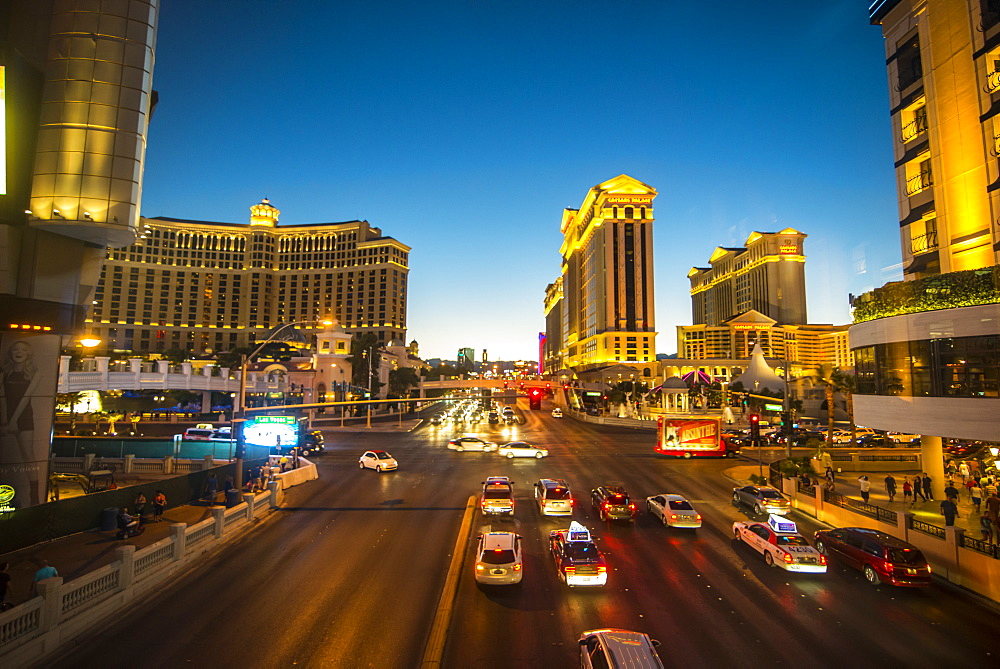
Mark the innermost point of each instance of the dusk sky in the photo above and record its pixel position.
(463, 129)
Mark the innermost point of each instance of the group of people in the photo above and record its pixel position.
(159, 504)
(257, 479)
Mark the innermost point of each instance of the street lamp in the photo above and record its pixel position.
(239, 407)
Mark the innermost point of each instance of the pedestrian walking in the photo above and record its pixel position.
(890, 487)
(949, 510)
(284, 463)
(950, 469)
(918, 489)
(977, 495)
(258, 476)
(951, 492)
(228, 485)
(140, 504)
(907, 490)
(986, 528)
(44, 572)
(963, 470)
(927, 487)
(212, 489)
(159, 505)
(865, 486)
(990, 488)
(4, 586)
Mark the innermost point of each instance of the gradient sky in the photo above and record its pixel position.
(464, 128)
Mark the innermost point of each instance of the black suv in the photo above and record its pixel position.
(612, 503)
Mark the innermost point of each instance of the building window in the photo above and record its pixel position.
(908, 67)
(918, 174)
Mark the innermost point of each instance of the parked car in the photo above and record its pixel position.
(882, 558)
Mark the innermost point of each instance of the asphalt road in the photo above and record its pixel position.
(351, 576)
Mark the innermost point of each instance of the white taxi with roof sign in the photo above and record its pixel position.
(578, 562)
(780, 543)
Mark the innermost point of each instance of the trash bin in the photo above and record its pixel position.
(109, 518)
(233, 498)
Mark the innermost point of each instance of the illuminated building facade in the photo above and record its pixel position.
(926, 349)
(600, 310)
(208, 287)
(767, 275)
(467, 358)
(75, 101)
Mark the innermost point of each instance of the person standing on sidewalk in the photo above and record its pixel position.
(44, 572)
(159, 504)
(140, 504)
(890, 487)
(927, 487)
(865, 486)
(950, 511)
(212, 489)
(907, 490)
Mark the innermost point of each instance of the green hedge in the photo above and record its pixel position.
(969, 288)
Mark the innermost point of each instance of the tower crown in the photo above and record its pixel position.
(264, 214)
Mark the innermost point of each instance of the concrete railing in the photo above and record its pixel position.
(306, 471)
(63, 611)
(944, 547)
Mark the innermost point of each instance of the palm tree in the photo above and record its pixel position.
(847, 383)
(825, 375)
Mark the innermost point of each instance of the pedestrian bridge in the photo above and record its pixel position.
(136, 374)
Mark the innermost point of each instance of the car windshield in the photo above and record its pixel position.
(382, 455)
(581, 550)
(791, 540)
(907, 556)
(680, 506)
(498, 556)
(771, 494)
(557, 493)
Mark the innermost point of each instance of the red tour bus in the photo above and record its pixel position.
(693, 437)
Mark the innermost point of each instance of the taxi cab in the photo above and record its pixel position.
(781, 544)
(553, 497)
(498, 496)
(577, 559)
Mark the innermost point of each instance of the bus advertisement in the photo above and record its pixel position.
(692, 437)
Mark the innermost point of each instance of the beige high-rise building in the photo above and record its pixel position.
(767, 275)
(208, 287)
(943, 62)
(600, 309)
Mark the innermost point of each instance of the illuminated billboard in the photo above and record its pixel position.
(3, 130)
(277, 433)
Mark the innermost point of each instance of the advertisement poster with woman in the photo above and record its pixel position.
(28, 375)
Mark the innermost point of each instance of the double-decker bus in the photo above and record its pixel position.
(691, 437)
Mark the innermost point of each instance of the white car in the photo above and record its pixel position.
(902, 437)
(557, 413)
(521, 449)
(498, 558)
(380, 461)
(780, 543)
(673, 511)
(470, 443)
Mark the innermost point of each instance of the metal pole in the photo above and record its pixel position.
(760, 463)
(786, 409)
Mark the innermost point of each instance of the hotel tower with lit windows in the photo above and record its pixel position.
(599, 311)
(208, 287)
(927, 349)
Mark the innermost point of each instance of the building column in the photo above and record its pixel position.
(932, 460)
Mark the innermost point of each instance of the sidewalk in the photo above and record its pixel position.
(928, 512)
(355, 425)
(78, 554)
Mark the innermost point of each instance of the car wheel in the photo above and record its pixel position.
(687, 455)
(768, 559)
(361, 465)
(736, 534)
(510, 455)
(538, 455)
(604, 516)
(757, 509)
(736, 498)
(378, 468)
(821, 548)
(666, 523)
(460, 448)
(872, 576)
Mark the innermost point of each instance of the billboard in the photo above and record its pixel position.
(273, 433)
(28, 376)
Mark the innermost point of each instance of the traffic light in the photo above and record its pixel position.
(535, 399)
(754, 428)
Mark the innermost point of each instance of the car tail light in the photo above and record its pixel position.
(606, 506)
(822, 559)
(697, 516)
(673, 516)
(787, 557)
(517, 567)
(928, 569)
(631, 507)
(602, 569)
(570, 570)
(480, 567)
(889, 567)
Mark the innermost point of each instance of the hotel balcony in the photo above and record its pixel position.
(914, 128)
(919, 182)
(923, 243)
(992, 82)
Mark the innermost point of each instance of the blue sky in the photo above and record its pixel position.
(464, 128)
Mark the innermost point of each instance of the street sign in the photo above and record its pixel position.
(772, 407)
